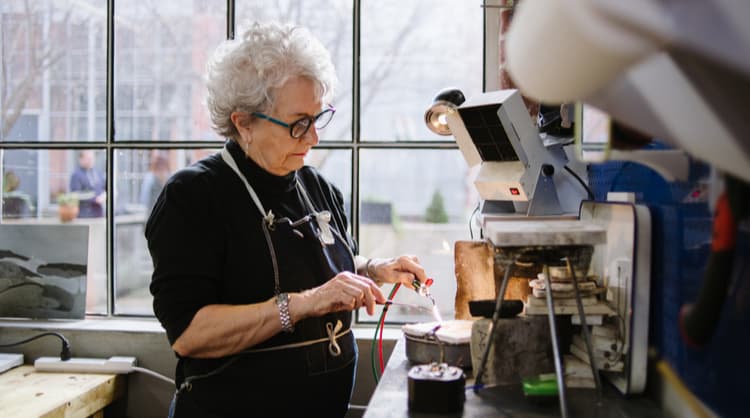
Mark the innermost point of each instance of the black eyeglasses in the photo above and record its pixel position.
(299, 127)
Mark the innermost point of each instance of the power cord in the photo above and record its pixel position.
(153, 373)
(580, 180)
(65, 354)
(471, 219)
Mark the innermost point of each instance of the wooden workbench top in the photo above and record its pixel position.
(25, 392)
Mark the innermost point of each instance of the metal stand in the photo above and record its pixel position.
(559, 372)
(495, 317)
(586, 336)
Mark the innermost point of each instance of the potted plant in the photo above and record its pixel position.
(67, 206)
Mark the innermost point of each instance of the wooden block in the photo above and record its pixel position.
(596, 309)
(590, 320)
(518, 282)
(575, 367)
(475, 278)
(601, 362)
(561, 273)
(581, 348)
(585, 301)
(600, 343)
(541, 283)
(580, 382)
(518, 288)
(609, 330)
(541, 293)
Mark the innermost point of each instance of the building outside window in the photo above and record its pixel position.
(143, 117)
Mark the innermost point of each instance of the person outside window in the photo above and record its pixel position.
(89, 183)
(154, 180)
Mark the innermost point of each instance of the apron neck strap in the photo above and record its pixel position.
(268, 217)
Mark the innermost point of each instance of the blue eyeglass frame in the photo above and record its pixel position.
(311, 119)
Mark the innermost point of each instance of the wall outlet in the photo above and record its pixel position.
(85, 365)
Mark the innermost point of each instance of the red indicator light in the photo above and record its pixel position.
(514, 191)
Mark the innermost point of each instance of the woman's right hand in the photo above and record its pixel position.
(344, 292)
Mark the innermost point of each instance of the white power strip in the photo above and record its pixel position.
(9, 361)
(85, 365)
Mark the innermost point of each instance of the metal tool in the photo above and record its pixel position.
(424, 290)
(405, 305)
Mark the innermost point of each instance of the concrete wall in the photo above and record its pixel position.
(147, 396)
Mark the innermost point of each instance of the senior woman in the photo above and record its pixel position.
(255, 276)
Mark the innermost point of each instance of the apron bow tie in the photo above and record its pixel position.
(333, 346)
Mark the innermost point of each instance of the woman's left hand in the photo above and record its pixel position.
(402, 269)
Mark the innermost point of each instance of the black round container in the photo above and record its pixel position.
(436, 389)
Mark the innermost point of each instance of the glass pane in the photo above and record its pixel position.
(331, 22)
(415, 202)
(336, 166)
(45, 187)
(410, 51)
(161, 49)
(53, 70)
(139, 177)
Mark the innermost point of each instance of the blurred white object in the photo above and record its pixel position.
(9, 361)
(678, 71)
(576, 50)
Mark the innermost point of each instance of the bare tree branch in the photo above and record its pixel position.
(40, 59)
(385, 67)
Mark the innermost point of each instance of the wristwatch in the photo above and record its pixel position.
(282, 301)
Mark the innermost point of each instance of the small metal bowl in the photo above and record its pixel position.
(426, 350)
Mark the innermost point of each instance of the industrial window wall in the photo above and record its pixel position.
(118, 85)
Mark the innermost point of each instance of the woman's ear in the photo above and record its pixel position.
(240, 120)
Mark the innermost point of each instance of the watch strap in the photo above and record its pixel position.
(282, 301)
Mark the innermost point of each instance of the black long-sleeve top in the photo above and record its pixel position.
(206, 242)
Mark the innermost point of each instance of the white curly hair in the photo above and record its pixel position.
(243, 74)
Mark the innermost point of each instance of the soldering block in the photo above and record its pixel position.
(520, 348)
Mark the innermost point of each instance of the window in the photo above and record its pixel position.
(407, 190)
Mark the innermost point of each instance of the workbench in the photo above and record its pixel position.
(390, 399)
(25, 392)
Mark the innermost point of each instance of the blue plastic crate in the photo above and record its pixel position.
(681, 245)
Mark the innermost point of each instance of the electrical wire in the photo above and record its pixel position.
(153, 373)
(580, 180)
(375, 343)
(372, 355)
(64, 353)
(471, 218)
(380, 340)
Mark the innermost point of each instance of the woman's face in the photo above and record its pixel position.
(270, 145)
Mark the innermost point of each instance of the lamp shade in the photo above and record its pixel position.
(445, 102)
